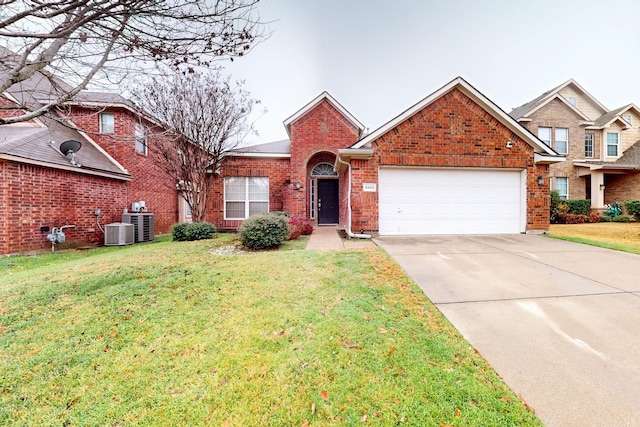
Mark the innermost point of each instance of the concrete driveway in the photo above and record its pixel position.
(558, 321)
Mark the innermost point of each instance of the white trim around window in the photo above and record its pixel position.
(588, 145)
(561, 143)
(107, 123)
(245, 196)
(613, 144)
(544, 134)
(141, 139)
(561, 185)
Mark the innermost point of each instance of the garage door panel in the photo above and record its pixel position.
(449, 201)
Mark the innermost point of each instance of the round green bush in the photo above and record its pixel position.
(193, 231)
(264, 231)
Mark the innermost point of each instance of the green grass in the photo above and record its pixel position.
(623, 237)
(170, 333)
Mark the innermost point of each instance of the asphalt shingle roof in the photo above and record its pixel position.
(276, 147)
(32, 140)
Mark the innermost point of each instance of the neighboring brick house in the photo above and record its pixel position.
(602, 146)
(453, 163)
(40, 188)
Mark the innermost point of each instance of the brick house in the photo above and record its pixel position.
(41, 188)
(453, 163)
(602, 146)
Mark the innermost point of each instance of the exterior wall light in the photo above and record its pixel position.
(296, 185)
(540, 180)
(601, 187)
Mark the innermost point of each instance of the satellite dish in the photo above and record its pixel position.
(70, 146)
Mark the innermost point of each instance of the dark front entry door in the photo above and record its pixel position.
(328, 201)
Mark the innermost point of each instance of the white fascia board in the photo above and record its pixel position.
(105, 105)
(610, 122)
(315, 102)
(262, 155)
(564, 101)
(345, 155)
(477, 97)
(64, 167)
(543, 158)
(594, 100)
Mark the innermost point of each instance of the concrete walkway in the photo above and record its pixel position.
(327, 238)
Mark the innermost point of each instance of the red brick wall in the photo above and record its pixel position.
(34, 197)
(7, 109)
(281, 192)
(149, 182)
(321, 131)
(453, 131)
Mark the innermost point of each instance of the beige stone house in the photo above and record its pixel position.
(602, 146)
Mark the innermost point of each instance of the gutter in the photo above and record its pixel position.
(348, 229)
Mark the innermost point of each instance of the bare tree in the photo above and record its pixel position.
(80, 41)
(206, 117)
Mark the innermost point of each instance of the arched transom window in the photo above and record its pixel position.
(323, 169)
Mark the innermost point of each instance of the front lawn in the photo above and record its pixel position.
(613, 235)
(172, 333)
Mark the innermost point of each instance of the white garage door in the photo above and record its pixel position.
(451, 201)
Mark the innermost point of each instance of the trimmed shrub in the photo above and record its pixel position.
(294, 231)
(579, 207)
(304, 224)
(605, 218)
(562, 210)
(264, 231)
(621, 218)
(178, 232)
(633, 208)
(595, 217)
(193, 231)
(575, 219)
(557, 204)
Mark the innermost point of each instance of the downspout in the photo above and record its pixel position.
(348, 230)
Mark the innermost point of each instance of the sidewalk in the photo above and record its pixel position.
(327, 238)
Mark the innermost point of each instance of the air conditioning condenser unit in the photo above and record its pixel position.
(118, 234)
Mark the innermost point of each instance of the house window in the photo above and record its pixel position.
(588, 145)
(627, 118)
(572, 101)
(141, 139)
(312, 199)
(245, 196)
(613, 144)
(107, 123)
(562, 187)
(545, 135)
(323, 169)
(561, 144)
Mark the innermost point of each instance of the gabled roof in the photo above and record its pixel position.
(462, 85)
(605, 120)
(39, 145)
(530, 107)
(276, 149)
(314, 103)
(38, 141)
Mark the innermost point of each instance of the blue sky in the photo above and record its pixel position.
(378, 58)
